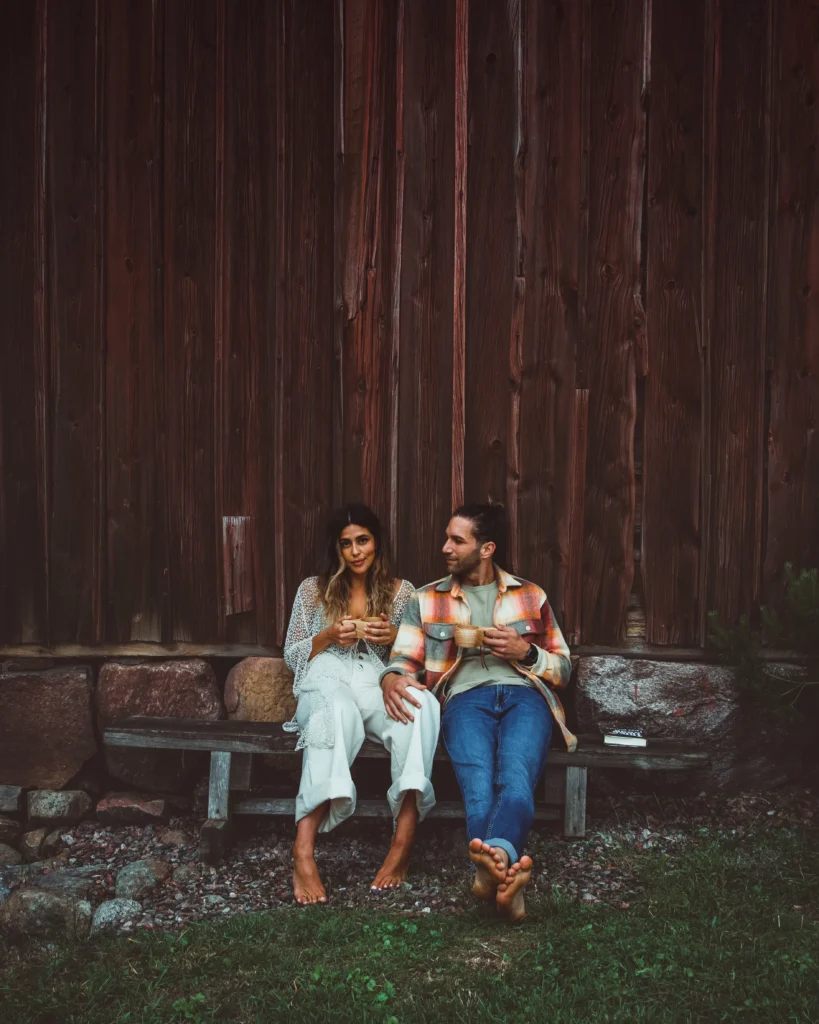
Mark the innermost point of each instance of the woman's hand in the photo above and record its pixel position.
(341, 633)
(382, 633)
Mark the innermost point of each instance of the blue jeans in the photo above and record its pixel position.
(497, 737)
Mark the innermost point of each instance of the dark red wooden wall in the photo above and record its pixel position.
(257, 256)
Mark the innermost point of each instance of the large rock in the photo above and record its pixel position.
(169, 689)
(9, 857)
(55, 807)
(260, 690)
(46, 728)
(139, 878)
(68, 881)
(37, 914)
(113, 915)
(132, 809)
(748, 746)
(9, 831)
(32, 844)
(11, 799)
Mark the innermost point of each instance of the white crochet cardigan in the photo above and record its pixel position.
(314, 681)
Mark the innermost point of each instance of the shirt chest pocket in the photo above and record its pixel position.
(529, 627)
(440, 631)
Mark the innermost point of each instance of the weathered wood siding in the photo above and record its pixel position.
(260, 257)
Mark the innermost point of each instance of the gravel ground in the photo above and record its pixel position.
(256, 875)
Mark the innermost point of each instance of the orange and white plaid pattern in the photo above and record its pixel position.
(425, 647)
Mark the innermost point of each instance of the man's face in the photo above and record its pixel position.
(461, 550)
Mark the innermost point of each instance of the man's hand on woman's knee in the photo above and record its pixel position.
(396, 689)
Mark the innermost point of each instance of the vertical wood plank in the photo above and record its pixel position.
(23, 556)
(491, 241)
(190, 267)
(73, 326)
(737, 341)
(573, 603)
(247, 368)
(425, 463)
(367, 267)
(793, 441)
(135, 415)
(459, 289)
(550, 188)
(574, 816)
(613, 321)
(673, 397)
(305, 285)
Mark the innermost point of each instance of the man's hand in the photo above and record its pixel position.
(395, 688)
(382, 632)
(506, 642)
(342, 633)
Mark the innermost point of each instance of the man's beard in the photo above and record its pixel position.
(464, 566)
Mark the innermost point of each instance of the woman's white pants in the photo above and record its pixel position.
(358, 711)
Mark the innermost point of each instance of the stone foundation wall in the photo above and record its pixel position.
(52, 717)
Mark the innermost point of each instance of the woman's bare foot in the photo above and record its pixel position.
(307, 885)
(490, 868)
(509, 898)
(395, 867)
(396, 864)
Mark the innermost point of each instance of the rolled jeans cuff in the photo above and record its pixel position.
(507, 847)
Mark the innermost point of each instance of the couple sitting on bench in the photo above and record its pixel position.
(404, 674)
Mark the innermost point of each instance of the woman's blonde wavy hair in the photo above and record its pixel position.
(334, 580)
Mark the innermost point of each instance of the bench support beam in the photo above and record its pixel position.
(574, 821)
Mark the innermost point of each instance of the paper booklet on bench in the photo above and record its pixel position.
(624, 738)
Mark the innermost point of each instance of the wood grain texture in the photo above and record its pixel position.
(304, 285)
(793, 344)
(613, 317)
(572, 607)
(737, 340)
(190, 269)
(136, 526)
(367, 266)
(459, 270)
(246, 377)
(425, 394)
(549, 173)
(23, 557)
(673, 389)
(492, 243)
(237, 564)
(73, 285)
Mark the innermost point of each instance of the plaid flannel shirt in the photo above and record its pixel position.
(425, 646)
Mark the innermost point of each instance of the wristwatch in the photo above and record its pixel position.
(530, 658)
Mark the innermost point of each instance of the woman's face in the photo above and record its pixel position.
(357, 548)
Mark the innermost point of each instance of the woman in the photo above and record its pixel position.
(340, 700)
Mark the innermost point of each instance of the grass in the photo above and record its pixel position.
(727, 931)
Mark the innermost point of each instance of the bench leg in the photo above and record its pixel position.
(574, 821)
(214, 836)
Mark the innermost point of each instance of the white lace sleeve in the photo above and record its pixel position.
(405, 592)
(298, 645)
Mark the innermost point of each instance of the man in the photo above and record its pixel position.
(499, 700)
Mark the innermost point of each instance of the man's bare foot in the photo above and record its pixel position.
(307, 885)
(490, 868)
(396, 865)
(509, 898)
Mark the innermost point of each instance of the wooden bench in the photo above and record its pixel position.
(231, 745)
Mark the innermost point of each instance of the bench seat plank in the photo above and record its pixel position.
(270, 738)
